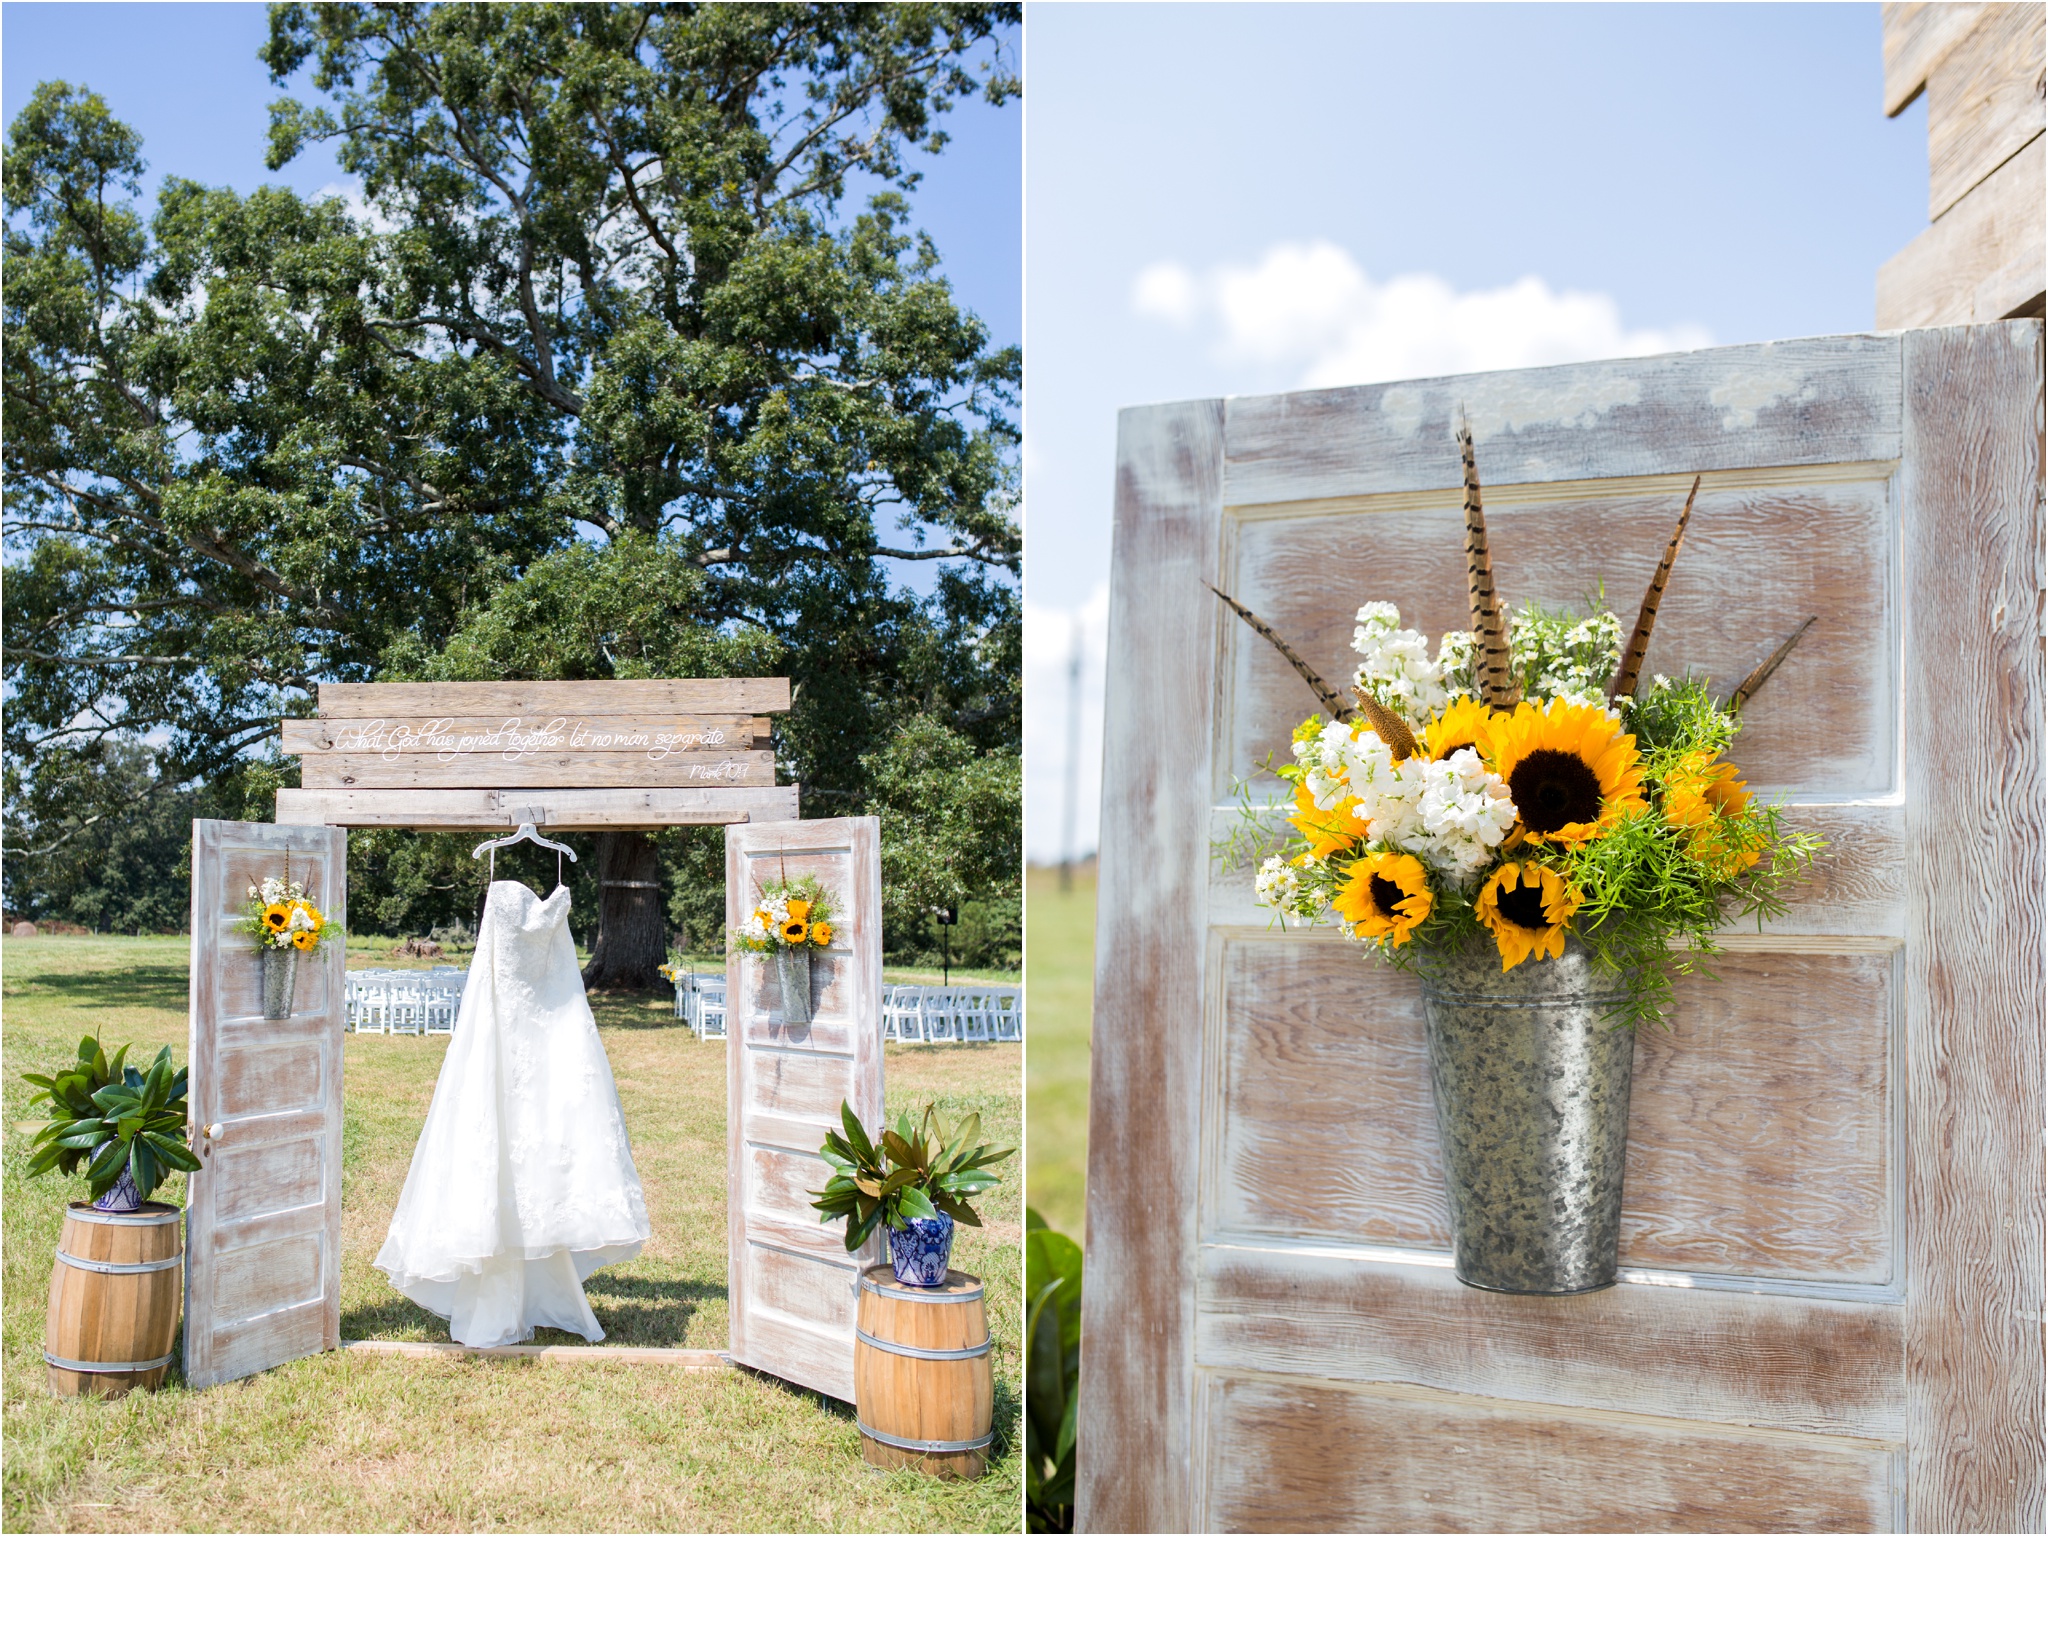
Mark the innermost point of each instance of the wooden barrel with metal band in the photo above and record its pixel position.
(924, 1387)
(115, 1297)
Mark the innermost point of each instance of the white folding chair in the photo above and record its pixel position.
(408, 1008)
(711, 1014)
(971, 1013)
(903, 1013)
(937, 1016)
(373, 1007)
(439, 1006)
(1009, 1013)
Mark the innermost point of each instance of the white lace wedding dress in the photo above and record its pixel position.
(523, 1182)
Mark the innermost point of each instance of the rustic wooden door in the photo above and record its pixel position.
(793, 1286)
(263, 1259)
(1830, 1310)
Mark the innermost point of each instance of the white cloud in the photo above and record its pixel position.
(1312, 313)
(1049, 638)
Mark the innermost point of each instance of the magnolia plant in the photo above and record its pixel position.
(1521, 785)
(111, 1117)
(911, 1173)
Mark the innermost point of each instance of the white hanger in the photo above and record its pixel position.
(525, 832)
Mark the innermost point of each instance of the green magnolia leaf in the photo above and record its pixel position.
(147, 1174)
(175, 1155)
(912, 1205)
(960, 1210)
(48, 1084)
(85, 1142)
(900, 1149)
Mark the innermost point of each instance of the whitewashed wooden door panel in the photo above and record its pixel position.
(263, 1260)
(792, 1283)
(1829, 1309)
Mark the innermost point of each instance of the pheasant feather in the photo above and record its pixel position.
(1630, 670)
(1493, 665)
(1746, 689)
(1330, 699)
(1392, 730)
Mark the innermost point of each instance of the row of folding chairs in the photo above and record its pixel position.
(405, 1002)
(921, 1014)
(700, 1003)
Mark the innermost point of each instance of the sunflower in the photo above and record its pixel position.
(312, 914)
(795, 931)
(1463, 724)
(821, 933)
(1572, 771)
(799, 908)
(1387, 896)
(1327, 832)
(305, 940)
(1697, 794)
(277, 917)
(1526, 907)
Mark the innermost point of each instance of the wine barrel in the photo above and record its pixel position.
(115, 1296)
(923, 1386)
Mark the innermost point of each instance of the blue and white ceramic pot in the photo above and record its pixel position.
(921, 1250)
(124, 1198)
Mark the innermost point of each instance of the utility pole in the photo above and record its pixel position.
(1071, 794)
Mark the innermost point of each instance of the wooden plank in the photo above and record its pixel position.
(514, 736)
(1985, 100)
(1828, 401)
(263, 1265)
(1760, 557)
(1916, 38)
(1760, 1126)
(1804, 1366)
(1146, 1067)
(549, 809)
(1981, 262)
(669, 1357)
(1971, 507)
(1290, 1458)
(1856, 887)
(714, 769)
(720, 696)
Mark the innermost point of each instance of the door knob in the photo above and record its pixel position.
(216, 1131)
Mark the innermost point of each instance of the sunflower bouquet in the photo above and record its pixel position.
(1520, 786)
(280, 915)
(793, 918)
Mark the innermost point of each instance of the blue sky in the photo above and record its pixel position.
(187, 78)
(1220, 199)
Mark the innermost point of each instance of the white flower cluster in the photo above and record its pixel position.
(1398, 670)
(274, 890)
(1560, 660)
(1448, 813)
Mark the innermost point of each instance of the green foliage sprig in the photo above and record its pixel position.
(1052, 1375)
(910, 1174)
(136, 1118)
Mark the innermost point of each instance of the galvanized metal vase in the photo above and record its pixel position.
(280, 978)
(1532, 1082)
(793, 973)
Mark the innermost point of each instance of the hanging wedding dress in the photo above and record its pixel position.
(523, 1182)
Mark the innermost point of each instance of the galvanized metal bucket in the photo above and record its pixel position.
(793, 974)
(1532, 1081)
(280, 979)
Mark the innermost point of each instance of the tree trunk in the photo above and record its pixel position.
(630, 942)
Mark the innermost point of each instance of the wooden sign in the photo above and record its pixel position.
(468, 755)
(1828, 1316)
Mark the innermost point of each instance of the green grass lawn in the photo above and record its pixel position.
(1059, 963)
(356, 1442)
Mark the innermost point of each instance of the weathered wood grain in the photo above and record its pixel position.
(791, 1281)
(1783, 403)
(1981, 262)
(653, 736)
(695, 769)
(1985, 100)
(1916, 38)
(1759, 1129)
(1971, 499)
(1747, 1360)
(950, 1400)
(263, 1264)
(722, 696)
(1757, 561)
(1291, 1457)
(501, 809)
(1145, 1068)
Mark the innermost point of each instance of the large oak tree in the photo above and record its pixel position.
(625, 361)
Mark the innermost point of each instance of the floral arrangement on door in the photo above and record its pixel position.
(282, 921)
(1520, 786)
(1545, 842)
(792, 918)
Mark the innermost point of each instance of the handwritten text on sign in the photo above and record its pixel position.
(516, 738)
